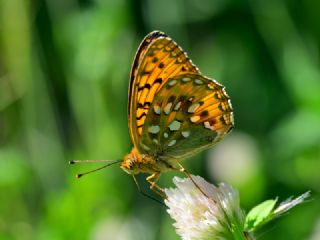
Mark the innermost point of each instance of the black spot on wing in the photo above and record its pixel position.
(141, 116)
(147, 85)
(182, 98)
(146, 105)
(161, 65)
(143, 72)
(158, 80)
(204, 114)
(172, 98)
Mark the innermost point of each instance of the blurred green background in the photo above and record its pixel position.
(64, 72)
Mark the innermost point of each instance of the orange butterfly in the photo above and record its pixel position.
(174, 111)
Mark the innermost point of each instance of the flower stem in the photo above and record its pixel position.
(238, 233)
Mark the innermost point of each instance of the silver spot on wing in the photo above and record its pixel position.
(171, 143)
(175, 125)
(176, 108)
(172, 82)
(167, 108)
(185, 134)
(157, 109)
(154, 129)
(193, 107)
(198, 81)
(195, 118)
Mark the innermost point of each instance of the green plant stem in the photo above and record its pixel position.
(238, 233)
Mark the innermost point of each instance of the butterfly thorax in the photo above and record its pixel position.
(134, 163)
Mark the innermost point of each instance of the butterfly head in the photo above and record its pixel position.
(130, 163)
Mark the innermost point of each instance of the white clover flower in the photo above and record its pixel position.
(213, 215)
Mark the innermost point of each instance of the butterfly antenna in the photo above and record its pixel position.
(145, 194)
(79, 175)
(92, 161)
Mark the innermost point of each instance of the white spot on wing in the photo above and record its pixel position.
(171, 143)
(185, 134)
(224, 92)
(157, 109)
(145, 147)
(167, 108)
(211, 85)
(193, 107)
(176, 108)
(155, 141)
(232, 118)
(172, 82)
(230, 105)
(166, 135)
(198, 81)
(154, 129)
(186, 79)
(175, 125)
(207, 125)
(194, 118)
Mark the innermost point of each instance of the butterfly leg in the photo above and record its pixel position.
(145, 194)
(182, 169)
(152, 179)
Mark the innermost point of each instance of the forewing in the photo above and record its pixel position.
(188, 114)
(158, 59)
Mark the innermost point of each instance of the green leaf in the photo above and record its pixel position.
(259, 214)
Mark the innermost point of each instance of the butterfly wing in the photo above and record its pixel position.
(158, 59)
(188, 114)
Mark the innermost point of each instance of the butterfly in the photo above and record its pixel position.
(174, 111)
